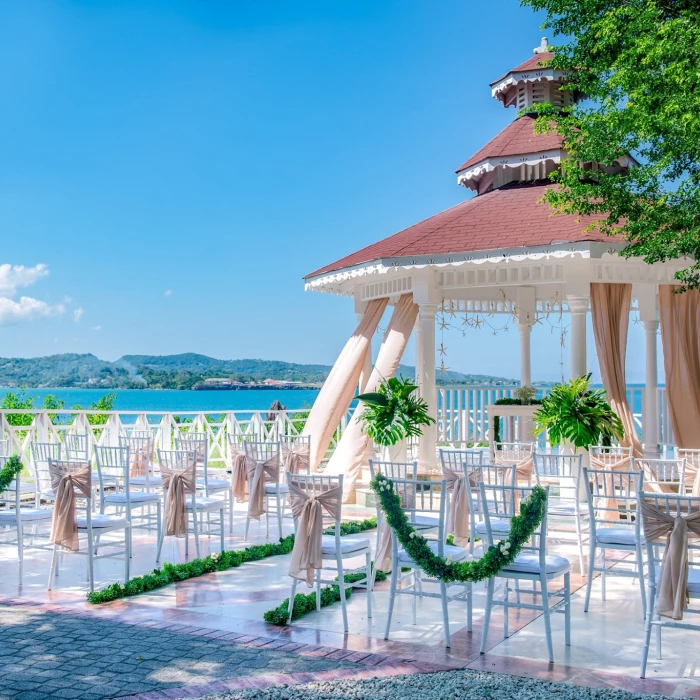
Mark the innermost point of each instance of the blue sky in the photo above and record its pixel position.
(177, 166)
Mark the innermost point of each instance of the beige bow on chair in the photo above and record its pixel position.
(296, 458)
(611, 512)
(258, 474)
(673, 580)
(458, 515)
(178, 484)
(64, 526)
(307, 510)
(523, 468)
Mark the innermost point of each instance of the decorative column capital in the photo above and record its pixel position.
(427, 311)
(578, 304)
(651, 327)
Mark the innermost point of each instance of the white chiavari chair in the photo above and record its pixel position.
(614, 525)
(142, 472)
(490, 475)
(114, 466)
(425, 498)
(663, 475)
(267, 494)
(16, 515)
(77, 447)
(296, 453)
(671, 525)
(328, 491)
(531, 564)
(42, 453)
(92, 526)
(562, 473)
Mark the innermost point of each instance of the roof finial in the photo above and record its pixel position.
(543, 47)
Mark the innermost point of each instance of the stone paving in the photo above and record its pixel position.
(47, 655)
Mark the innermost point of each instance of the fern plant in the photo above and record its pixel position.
(573, 412)
(394, 412)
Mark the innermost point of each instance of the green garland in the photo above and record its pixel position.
(306, 603)
(172, 573)
(9, 472)
(497, 557)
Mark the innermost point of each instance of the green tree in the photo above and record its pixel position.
(637, 61)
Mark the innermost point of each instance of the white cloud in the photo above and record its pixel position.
(95, 328)
(168, 292)
(13, 277)
(78, 314)
(26, 309)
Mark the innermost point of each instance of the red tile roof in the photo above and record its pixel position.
(510, 217)
(516, 139)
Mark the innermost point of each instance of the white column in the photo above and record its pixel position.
(578, 307)
(419, 355)
(361, 387)
(650, 428)
(525, 364)
(428, 441)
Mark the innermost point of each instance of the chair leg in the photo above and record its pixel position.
(247, 525)
(506, 608)
(221, 533)
(469, 607)
(318, 590)
(604, 566)
(547, 618)
(159, 522)
(127, 552)
(91, 564)
(20, 550)
(647, 631)
(279, 514)
(52, 570)
(230, 513)
(161, 536)
(445, 616)
(291, 600)
(487, 613)
(343, 600)
(392, 595)
(196, 534)
(567, 609)
(589, 582)
(368, 569)
(640, 564)
(414, 598)
(579, 537)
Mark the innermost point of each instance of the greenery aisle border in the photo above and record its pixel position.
(11, 468)
(172, 573)
(497, 556)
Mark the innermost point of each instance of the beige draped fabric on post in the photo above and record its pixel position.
(610, 312)
(64, 526)
(295, 458)
(337, 391)
(348, 455)
(458, 515)
(673, 580)
(307, 509)
(260, 473)
(680, 336)
(177, 484)
(611, 512)
(239, 473)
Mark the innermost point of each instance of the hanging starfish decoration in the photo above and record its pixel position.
(442, 367)
(442, 350)
(478, 323)
(443, 324)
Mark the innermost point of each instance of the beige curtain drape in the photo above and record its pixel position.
(348, 456)
(337, 391)
(680, 336)
(610, 310)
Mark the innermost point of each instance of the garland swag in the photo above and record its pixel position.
(12, 467)
(498, 556)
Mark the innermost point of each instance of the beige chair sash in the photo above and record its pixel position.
(260, 473)
(239, 474)
(64, 526)
(458, 515)
(611, 512)
(673, 580)
(307, 555)
(177, 485)
(296, 458)
(138, 462)
(523, 469)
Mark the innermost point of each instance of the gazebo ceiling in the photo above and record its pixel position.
(506, 218)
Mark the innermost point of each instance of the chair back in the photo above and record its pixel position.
(76, 446)
(64, 528)
(663, 475)
(393, 470)
(692, 468)
(268, 453)
(460, 461)
(502, 503)
(602, 457)
(513, 452)
(137, 433)
(315, 486)
(59, 468)
(5, 448)
(296, 453)
(565, 471)
(42, 452)
(140, 444)
(612, 498)
(113, 467)
(178, 462)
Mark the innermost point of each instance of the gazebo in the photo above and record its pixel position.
(504, 251)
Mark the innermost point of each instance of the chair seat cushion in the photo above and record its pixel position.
(498, 525)
(272, 488)
(101, 520)
(27, 515)
(153, 480)
(530, 564)
(616, 535)
(457, 553)
(347, 544)
(204, 503)
(139, 497)
(693, 579)
(424, 522)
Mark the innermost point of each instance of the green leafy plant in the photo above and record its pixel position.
(525, 394)
(573, 412)
(394, 412)
(9, 471)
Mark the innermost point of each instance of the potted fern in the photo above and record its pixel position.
(392, 414)
(575, 415)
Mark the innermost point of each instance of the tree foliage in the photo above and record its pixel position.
(638, 63)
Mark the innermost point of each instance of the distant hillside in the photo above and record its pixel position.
(183, 371)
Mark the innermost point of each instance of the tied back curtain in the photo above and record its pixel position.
(348, 456)
(680, 336)
(339, 388)
(610, 309)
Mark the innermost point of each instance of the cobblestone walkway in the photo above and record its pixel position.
(47, 655)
